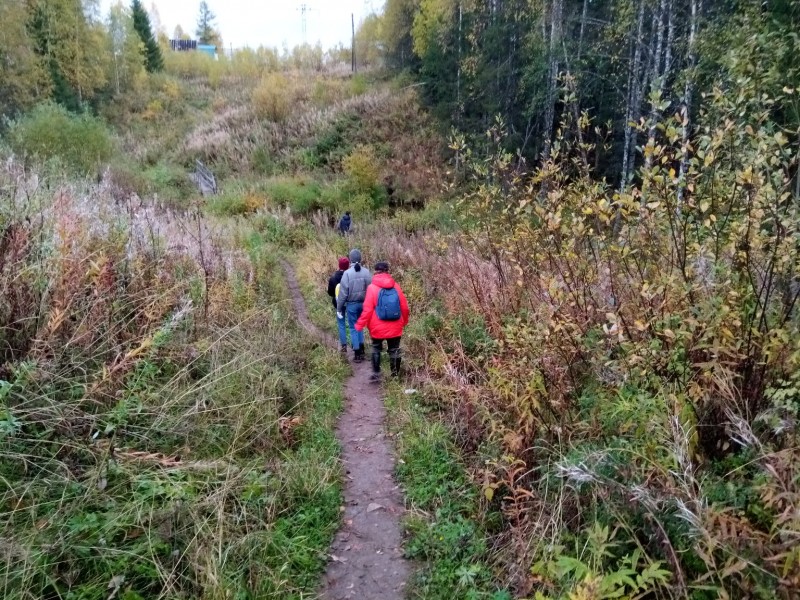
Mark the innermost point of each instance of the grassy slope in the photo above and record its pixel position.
(150, 450)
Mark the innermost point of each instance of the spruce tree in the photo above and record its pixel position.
(141, 23)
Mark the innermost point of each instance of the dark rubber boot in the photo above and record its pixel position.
(394, 363)
(358, 355)
(376, 367)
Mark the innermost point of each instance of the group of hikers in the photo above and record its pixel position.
(376, 303)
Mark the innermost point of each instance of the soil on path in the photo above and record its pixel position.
(366, 557)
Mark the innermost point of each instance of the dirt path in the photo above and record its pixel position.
(366, 558)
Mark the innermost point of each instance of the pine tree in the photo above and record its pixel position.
(141, 23)
(206, 34)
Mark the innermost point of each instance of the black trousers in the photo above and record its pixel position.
(392, 345)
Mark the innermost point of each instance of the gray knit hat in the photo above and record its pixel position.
(355, 256)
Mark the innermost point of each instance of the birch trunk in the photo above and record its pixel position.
(552, 75)
(657, 77)
(633, 106)
(686, 103)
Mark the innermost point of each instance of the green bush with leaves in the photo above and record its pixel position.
(169, 182)
(301, 195)
(272, 98)
(333, 144)
(361, 169)
(49, 131)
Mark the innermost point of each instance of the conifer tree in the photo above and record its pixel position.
(206, 33)
(141, 23)
(71, 47)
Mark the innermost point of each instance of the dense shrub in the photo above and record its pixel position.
(361, 168)
(235, 202)
(335, 143)
(302, 196)
(272, 98)
(169, 182)
(80, 141)
(358, 85)
(194, 64)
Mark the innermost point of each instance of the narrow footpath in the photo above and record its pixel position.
(366, 556)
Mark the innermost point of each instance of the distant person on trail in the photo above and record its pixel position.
(344, 223)
(333, 292)
(385, 314)
(352, 291)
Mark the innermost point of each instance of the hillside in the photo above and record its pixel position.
(592, 210)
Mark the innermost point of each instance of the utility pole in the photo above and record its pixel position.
(353, 67)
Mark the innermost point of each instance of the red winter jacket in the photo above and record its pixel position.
(382, 330)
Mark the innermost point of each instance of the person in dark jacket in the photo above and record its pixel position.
(344, 223)
(333, 291)
(352, 290)
(383, 330)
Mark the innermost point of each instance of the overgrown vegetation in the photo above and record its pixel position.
(165, 428)
(604, 336)
(617, 368)
(83, 143)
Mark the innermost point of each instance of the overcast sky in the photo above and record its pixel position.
(265, 22)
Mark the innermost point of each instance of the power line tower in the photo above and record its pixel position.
(304, 10)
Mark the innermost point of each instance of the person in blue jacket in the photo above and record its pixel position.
(344, 223)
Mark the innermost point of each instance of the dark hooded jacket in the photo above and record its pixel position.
(333, 281)
(344, 224)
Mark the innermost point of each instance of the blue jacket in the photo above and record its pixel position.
(344, 224)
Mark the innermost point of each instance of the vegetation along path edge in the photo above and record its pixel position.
(366, 557)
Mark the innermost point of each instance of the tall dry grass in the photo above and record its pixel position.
(159, 437)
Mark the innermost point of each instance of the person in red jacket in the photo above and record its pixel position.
(385, 314)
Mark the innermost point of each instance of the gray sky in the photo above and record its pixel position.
(265, 22)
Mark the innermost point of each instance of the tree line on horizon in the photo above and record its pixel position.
(618, 67)
(65, 51)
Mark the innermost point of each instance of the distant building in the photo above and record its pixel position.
(208, 49)
(191, 46)
(183, 45)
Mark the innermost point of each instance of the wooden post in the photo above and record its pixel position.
(353, 44)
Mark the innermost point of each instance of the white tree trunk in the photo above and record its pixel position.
(552, 75)
(686, 103)
(633, 107)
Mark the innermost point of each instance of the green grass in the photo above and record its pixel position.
(445, 535)
(302, 195)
